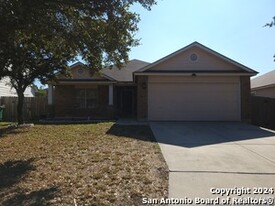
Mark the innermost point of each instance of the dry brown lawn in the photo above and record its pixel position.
(80, 164)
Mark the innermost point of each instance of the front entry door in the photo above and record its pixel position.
(127, 101)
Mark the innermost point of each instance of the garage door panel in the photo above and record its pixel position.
(193, 101)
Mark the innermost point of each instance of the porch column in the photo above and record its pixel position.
(111, 94)
(50, 94)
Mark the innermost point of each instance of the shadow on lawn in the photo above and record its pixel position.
(9, 131)
(11, 172)
(36, 198)
(139, 132)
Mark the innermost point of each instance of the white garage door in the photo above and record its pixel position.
(194, 100)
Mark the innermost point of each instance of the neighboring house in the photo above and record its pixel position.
(194, 83)
(7, 90)
(264, 85)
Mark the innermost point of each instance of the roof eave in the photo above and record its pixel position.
(73, 82)
(262, 87)
(204, 48)
(107, 77)
(191, 74)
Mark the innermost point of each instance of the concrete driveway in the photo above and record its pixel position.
(206, 155)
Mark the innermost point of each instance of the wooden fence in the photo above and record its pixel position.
(33, 109)
(263, 111)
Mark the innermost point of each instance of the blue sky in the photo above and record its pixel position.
(233, 28)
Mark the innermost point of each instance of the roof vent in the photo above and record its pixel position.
(80, 71)
(194, 57)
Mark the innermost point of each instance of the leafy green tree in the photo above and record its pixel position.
(40, 92)
(38, 38)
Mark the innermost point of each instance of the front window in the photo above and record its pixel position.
(86, 98)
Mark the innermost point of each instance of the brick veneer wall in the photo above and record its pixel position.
(65, 104)
(64, 100)
(142, 97)
(245, 98)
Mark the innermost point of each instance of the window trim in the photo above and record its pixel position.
(86, 98)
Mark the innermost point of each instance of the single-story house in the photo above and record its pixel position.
(194, 83)
(264, 85)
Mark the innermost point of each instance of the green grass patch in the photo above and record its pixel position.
(5, 124)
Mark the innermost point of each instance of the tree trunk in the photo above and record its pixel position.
(20, 118)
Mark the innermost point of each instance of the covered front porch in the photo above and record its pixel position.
(91, 100)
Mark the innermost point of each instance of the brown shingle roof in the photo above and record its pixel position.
(264, 80)
(125, 74)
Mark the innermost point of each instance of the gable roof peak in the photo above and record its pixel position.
(201, 46)
(78, 63)
(196, 42)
